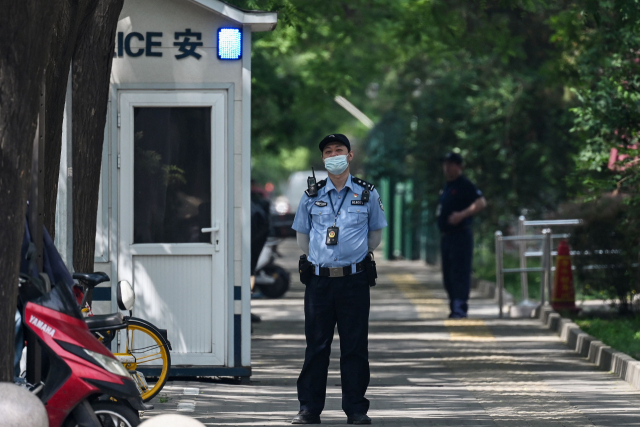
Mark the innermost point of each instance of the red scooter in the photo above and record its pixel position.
(84, 384)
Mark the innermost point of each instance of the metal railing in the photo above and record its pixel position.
(547, 253)
(524, 254)
(545, 269)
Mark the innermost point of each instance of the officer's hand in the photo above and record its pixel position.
(455, 218)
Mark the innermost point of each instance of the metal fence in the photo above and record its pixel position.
(524, 254)
(546, 254)
(544, 269)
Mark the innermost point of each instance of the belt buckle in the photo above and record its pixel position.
(336, 272)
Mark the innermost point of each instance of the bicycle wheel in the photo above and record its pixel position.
(145, 347)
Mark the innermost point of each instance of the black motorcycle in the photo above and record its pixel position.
(271, 279)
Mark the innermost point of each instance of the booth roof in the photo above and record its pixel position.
(256, 19)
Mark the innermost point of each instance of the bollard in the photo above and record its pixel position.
(522, 247)
(546, 266)
(172, 420)
(499, 272)
(20, 408)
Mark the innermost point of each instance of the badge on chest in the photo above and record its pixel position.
(332, 236)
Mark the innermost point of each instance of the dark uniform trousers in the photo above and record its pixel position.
(329, 301)
(457, 255)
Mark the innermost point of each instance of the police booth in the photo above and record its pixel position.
(174, 210)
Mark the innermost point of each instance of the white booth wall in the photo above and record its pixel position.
(198, 291)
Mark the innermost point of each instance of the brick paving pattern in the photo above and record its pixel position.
(425, 370)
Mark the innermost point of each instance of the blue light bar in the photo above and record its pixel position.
(229, 43)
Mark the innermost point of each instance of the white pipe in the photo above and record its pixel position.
(353, 110)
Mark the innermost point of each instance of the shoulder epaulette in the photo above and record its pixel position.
(363, 183)
(319, 184)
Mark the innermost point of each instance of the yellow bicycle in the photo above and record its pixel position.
(144, 346)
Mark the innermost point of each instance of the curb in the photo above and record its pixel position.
(604, 357)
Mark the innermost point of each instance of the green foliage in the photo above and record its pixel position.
(601, 41)
(276, 167)
(319, 50)
(373, 51)
(605, 266)
(623, 333)
(486, 85)
(533, 93)
(602, 46)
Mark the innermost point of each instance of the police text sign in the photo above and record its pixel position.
(149, 44)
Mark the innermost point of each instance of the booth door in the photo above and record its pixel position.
(172, 218)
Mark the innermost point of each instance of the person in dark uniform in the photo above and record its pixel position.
(337, 227)
(459, 201)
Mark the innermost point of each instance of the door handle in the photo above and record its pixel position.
(216, 234)
(216, 227)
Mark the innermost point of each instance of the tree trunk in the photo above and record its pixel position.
(91, 74)
(23, 26)
(72, 18)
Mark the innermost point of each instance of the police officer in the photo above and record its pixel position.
(459, 201)
(337, 227)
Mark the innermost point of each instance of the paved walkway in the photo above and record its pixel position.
(425, 370)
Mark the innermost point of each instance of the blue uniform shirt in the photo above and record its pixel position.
(315, 215)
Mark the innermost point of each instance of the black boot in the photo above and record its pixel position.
(306, 417)
(358, 419)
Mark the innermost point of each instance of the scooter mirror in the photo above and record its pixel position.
(126, 295)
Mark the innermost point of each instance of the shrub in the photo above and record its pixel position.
(608, 243)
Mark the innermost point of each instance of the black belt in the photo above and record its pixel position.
(338, 271)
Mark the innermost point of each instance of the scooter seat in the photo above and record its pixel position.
(105, 321)
(92, 279)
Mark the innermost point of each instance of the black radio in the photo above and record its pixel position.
(312, 186)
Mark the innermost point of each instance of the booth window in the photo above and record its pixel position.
(172, 174)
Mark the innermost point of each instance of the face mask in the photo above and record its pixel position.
(336, 165)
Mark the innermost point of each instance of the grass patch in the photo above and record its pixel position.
(621, 333)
